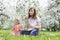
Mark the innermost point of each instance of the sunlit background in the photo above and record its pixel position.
(47, 10)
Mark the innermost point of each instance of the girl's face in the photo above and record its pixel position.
(16, 21)
(31, 12)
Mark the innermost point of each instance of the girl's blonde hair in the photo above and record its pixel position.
(16, 21)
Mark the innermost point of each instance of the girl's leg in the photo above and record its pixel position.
(13, 33)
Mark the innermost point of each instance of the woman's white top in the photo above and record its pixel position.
(33, 22)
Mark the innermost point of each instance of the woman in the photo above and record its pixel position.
(33, 23)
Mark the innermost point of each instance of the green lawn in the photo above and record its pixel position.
(6, 35)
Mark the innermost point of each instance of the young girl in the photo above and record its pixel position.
(33, 23)
(17, 27)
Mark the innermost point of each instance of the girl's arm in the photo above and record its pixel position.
(13, 27)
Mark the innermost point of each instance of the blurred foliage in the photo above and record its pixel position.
(0, 26)
(49, 13)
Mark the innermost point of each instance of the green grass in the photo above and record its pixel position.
(6, 35)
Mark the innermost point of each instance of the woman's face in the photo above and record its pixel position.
(31, 12)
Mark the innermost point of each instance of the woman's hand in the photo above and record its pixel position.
(29, 25)
(26, 17)
(37, 26)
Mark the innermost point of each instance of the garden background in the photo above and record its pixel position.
(47, 10)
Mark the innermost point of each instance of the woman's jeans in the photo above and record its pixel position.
(30, 32)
